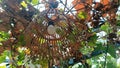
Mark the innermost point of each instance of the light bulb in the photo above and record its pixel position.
(51, 29)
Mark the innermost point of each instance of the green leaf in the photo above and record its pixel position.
(6, 53)
(1, 39)
(19, 63)
(12, 66)
(23, 4)
(112, 51)
(83, 43)
(3, 66)
(91, 43)
(99, 47)
(21, 57)
(92, 40)
(3, 36)
(111, 65)
(118, 33)
(86, 50)
(21, 40)
(82, 15)
(1, 1)
(1, 21)
(118, 23)
(2, 58)
(35, 2)
(105, 27)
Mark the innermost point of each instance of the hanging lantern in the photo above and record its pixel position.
(55, 24)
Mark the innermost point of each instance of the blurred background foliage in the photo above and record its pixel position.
(101, 49)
